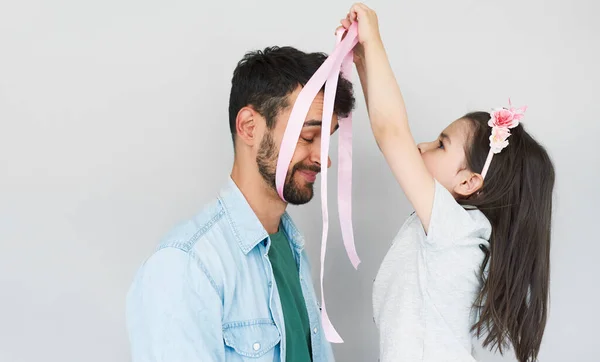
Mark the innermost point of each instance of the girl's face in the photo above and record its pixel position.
(446, 161)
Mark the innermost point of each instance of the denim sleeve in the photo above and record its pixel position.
(174, 311)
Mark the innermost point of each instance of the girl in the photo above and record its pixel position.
(475, 257)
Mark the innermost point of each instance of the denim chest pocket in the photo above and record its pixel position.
(252, 339)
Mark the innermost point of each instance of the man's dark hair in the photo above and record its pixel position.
(264, 79)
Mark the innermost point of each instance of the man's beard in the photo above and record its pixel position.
(267, 164)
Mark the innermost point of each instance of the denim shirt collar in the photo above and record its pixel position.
(248, 230)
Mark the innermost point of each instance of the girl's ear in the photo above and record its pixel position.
(470, 184)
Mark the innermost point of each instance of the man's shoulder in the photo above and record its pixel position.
(204, 234)
(191, 233)
(199, 242)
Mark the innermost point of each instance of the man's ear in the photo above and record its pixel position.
(245, 126)
(470, 184)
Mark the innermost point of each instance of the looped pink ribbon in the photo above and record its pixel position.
(340, 60)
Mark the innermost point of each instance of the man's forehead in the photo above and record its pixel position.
(315, 112)
(318, 100)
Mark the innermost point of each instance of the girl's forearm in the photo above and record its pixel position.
(385, 103)
(362, 75)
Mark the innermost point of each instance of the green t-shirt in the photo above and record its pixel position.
(297, 325)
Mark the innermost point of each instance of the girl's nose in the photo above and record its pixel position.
(425, 146)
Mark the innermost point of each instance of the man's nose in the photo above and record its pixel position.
(315, 156)
(317, 160)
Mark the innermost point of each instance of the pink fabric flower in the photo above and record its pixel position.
(506, 118)
(518, 113)
(499, 139)
(501, 121)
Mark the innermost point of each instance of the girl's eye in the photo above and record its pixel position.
(441, 145)
(307, 139)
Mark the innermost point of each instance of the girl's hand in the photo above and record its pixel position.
(368, 25)
(368, 29)
(358, 51)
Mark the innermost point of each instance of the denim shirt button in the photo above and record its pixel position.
(315, 330)
(256, 346)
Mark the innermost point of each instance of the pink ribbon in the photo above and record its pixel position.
(340, 60)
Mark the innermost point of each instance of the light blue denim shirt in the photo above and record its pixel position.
(208, 293)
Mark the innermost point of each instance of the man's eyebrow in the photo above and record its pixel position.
(313, 123)
(318, 123)
(445, 137)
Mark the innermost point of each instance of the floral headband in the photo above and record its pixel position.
(501, 121)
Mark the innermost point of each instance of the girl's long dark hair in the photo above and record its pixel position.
(517, 200)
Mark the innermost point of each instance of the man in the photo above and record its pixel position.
(233, 283)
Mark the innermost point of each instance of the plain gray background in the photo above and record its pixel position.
(114, 128)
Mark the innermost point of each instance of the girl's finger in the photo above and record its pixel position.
(358, 10)
(352, 13)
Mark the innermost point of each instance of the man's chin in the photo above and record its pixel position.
(298, 202)
(302, 197)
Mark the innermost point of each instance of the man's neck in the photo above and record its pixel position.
(265, 203)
